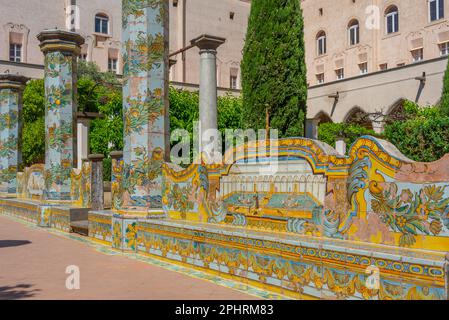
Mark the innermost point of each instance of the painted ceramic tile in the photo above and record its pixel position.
(59, 125)
(10, 153)
(145, 101)
(124, 233)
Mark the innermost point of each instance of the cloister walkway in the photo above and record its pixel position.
(33, 265)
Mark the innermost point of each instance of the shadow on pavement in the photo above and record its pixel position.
(20, 291)
(13, 243)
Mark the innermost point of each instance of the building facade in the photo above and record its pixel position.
(363, 56)
(367, 56)
(99, 22)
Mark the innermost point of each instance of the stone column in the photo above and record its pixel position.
(83, 120)
(340, 145)
(446, 275)
(82, 140)
(11, 89)
(97, 190)
(145, 102)
(312, 128)
(208, 46)
(61, 49)
(171, 63)
(378, 122)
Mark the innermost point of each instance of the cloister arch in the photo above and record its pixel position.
(396, 111)
(357, 116)
(323, 117)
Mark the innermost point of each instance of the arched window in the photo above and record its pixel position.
(321, 43)
(392, 19)
(354, 32)
(359, 117)
(101, 23)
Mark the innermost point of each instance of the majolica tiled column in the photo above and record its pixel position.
(61, 49)
(145, 102)
(11, 89)
(116, 180)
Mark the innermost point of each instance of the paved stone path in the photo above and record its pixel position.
(33, 263)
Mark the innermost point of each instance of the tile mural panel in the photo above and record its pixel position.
(370, 196)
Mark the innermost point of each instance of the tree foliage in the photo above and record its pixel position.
(184, 110)
(33, 113)
(424, 136)
(33, 101)
(274, 69)
(106, 134)
(33, 142)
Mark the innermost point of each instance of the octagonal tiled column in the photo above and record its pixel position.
(145, 102)
(61, 49)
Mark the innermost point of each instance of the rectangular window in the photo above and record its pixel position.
(436, 9)
(101, 24)
(83, 57)
(363, 68)
(15, 52)
(383, 66)
(354, 35)
(320, 78)
(417, 55)
(233, 82)
(444, 49)
(112, 65)
(340, 73)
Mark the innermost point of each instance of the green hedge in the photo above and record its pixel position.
(424, 136)
(329, 132)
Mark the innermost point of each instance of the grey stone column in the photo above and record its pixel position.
(378, 123)
(208, 83)
(340, 146)
(83, 121)
(97, 191)
(82, 140)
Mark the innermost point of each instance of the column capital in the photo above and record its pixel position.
(96, 157)
(60, 40)
(13, 81)
(207, 42)
(116, 154)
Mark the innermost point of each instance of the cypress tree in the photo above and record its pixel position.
(274, 69)
(444, 103)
